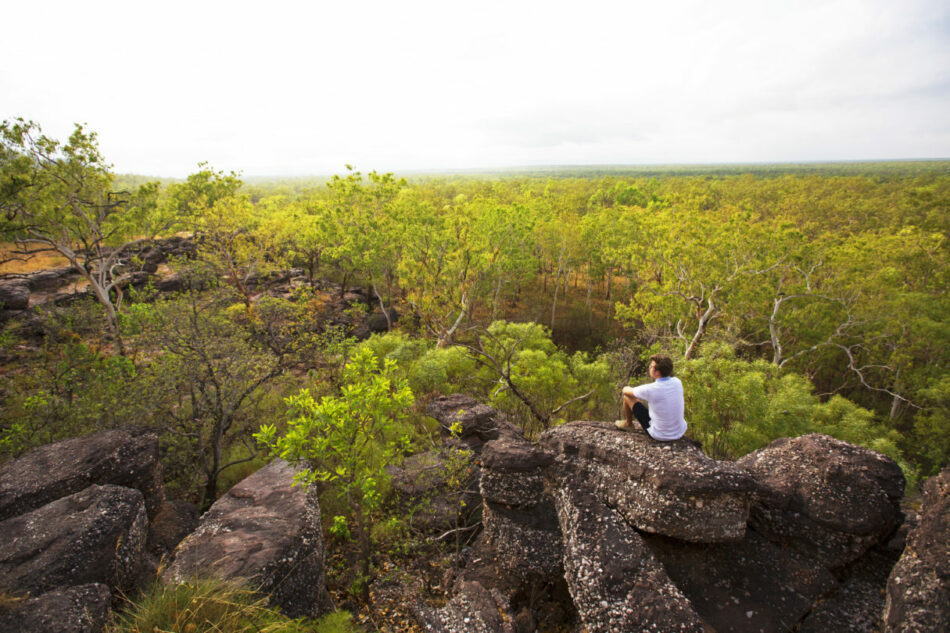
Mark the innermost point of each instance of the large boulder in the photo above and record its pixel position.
(473, 609)
(856, 605)
(52, 278)
(437, 490)
(749, 585)
(918, 590)
(14, 295)
(265, 532)
(175, 520)
(56, 470)
(96, 535)
(519, 519)
(476, 423)
(513, 472)
(668, 488)
(80, 609)
(827, 498)
(616, 582)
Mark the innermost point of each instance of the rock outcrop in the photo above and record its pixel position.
(857, 604)
(653, 535)
(437, 490)
(616, 582)
(829, 499)
(519, 520)
(56, 470)
(473, 609)
(79, 609)
(96, 535)
(749, 585)
(14, 295)
(591, 529)
(476, 423)
(918, 590)
(668, 488)
(266, 532)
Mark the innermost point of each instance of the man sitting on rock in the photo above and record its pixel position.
(664, 419)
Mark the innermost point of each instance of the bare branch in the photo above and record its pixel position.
(572, 400)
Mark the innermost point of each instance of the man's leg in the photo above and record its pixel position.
(628, 404)
(633, 408)
(642, 414)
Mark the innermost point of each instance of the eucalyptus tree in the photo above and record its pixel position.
(58, 197)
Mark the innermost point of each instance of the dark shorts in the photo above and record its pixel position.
(642, 415)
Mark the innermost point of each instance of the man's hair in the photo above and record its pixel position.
(664, 364)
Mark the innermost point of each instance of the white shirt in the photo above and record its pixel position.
(665, 400)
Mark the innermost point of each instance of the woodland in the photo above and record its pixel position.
(792, 298)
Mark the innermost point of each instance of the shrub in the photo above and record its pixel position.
(213, 606)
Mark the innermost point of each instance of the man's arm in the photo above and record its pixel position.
(630, 392)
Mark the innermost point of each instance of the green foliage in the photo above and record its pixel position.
(58, 197)
(67, 387)
(527, 365)
(734, 406)
(429, 370)
(213, 606)
(345, 442)
(931, 433)
(207, 383)
(443, 370)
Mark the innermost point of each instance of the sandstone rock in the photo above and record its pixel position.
(829, 499)
(668, 488)
(856, 605)
(548, 600)
(79, 609)
(437, 490)
(267, 533)
(526, 543)
(918, 590)
(52, 278)
(377, 320)
(474, 609)
(14, 295)
(93, 536)
(513, 471)
(750, 585)
(172, 283)
(518, 517)
(60, 469)
(616, 582)
(478, 423)
(175, 520)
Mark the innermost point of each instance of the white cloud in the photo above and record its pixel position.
(294, 87)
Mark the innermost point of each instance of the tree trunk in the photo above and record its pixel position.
(700, 329)
(557, 285)
(446, 338)
(389, 323)
(494, 302)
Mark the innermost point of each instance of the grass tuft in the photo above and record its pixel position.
(214, 606)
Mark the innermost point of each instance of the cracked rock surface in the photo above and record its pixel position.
(829, 499)
(615, 580)
(266, 532)
(918, 590)
(56, 470)
(669, 488)
(79, 609)
(94, 536)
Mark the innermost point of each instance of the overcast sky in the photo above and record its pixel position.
(294, 88)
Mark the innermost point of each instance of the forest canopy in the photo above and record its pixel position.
(793, 298)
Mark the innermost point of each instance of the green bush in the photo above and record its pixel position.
(735, 406)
